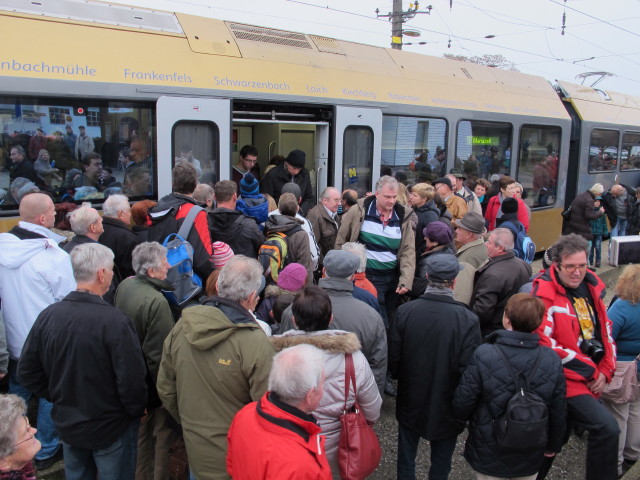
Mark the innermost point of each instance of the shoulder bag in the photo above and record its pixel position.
(358, 448)
(623, 387)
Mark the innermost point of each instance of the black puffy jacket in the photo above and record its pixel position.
(485, 389)
(427, 213)
(239, 231)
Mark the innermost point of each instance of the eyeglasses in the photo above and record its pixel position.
(29, 433)
(573, 268)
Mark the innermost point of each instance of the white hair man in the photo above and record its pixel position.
(81, 338)
(117, 234)
(215, 361)
(384, 227)
(34, 273)
(497, 280)
(86, 223)
(325, 220)
(140, 298)
(279, 430)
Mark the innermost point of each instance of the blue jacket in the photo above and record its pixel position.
(255, 206)
(626, 328)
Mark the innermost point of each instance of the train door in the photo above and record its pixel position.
(358, 146)
(196, 130)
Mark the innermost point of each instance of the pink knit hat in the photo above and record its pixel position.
(222, 253)
(293, 277)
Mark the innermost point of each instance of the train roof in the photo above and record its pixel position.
(91, 41)
(604, 106)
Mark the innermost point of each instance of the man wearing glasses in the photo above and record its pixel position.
(576, 327)
(248, 162)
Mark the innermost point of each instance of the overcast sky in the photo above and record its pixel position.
(599, 35)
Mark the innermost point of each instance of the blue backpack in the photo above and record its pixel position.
(523, 246)
(185, 282)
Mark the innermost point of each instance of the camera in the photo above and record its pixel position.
(593, 349)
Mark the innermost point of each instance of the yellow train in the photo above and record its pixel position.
(148, 84)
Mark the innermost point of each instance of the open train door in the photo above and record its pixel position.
(201, 125)
(358, 148)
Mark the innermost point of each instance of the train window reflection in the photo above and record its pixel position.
(74, 153)
(630, 153)
(358, 159)
(413, 148)
(198, 143)
(483, 148)
(603, 150)
(538, 164)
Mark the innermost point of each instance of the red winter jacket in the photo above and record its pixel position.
(560, 330)
(494, 207)
(267, 442)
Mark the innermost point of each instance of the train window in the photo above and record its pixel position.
(538, 164)
(603, 150)
(199, 144)
(483, 148)
(414, 148)
(44, 142)
(358, 158)
(630, 154)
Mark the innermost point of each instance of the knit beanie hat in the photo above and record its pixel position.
(438, 232)
(293, 277)
(249, 185)
(296, 159)
(510, 205)
(222, 253)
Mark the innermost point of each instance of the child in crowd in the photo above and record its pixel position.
(598, 230)
(251, 202)
(291, 280)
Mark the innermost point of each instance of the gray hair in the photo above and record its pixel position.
(358, 250)
(503, 238)
(147, 255)
(82, 218)
(19, 149)
(203, 193)
(87, 259)
(568, 245)
(386, 181)
(12, 409)
(325, 193)
(115, 204)
(240, 277)
(295, 371)
(597, 189)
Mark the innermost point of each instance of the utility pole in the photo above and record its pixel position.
(398, 17)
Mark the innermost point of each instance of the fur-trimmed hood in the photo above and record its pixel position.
(275, 290)
(331, 341)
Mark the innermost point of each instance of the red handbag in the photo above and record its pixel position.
(358, 448)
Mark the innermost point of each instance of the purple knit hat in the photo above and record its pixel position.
(293, 277)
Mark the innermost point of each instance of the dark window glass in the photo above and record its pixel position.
(199, 144)
(123, 134)
(630, 153)
(414, 148)
(603, 150)
(538, 164)
(357, 161)
(483, 148)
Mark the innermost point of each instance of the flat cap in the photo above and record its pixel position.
(444, 180)
(443, 266)
(341, 264)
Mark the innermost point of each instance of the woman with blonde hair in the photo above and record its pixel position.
(625, 315)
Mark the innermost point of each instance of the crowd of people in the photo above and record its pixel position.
(420, 289)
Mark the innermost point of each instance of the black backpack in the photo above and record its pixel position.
(524, 424)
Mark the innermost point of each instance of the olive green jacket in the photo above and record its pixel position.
(215, 361)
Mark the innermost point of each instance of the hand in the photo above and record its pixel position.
(549, 454)
(2, 375)
(402, 290)
(597, 384)
(601, 210)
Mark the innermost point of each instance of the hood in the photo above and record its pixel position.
(208, 325)
(336, 286)
(169, 203)
(275, 290)
(226, 220)
(281, 223)
(331, 341)
(15, 252)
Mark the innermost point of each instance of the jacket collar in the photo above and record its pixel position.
(115, 222)
(476, 243)
(85, 297)
(155, 282)
(402, 212)
(235, 312)
(515, 339)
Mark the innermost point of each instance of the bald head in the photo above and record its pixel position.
(617, 190)
(38, 208)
